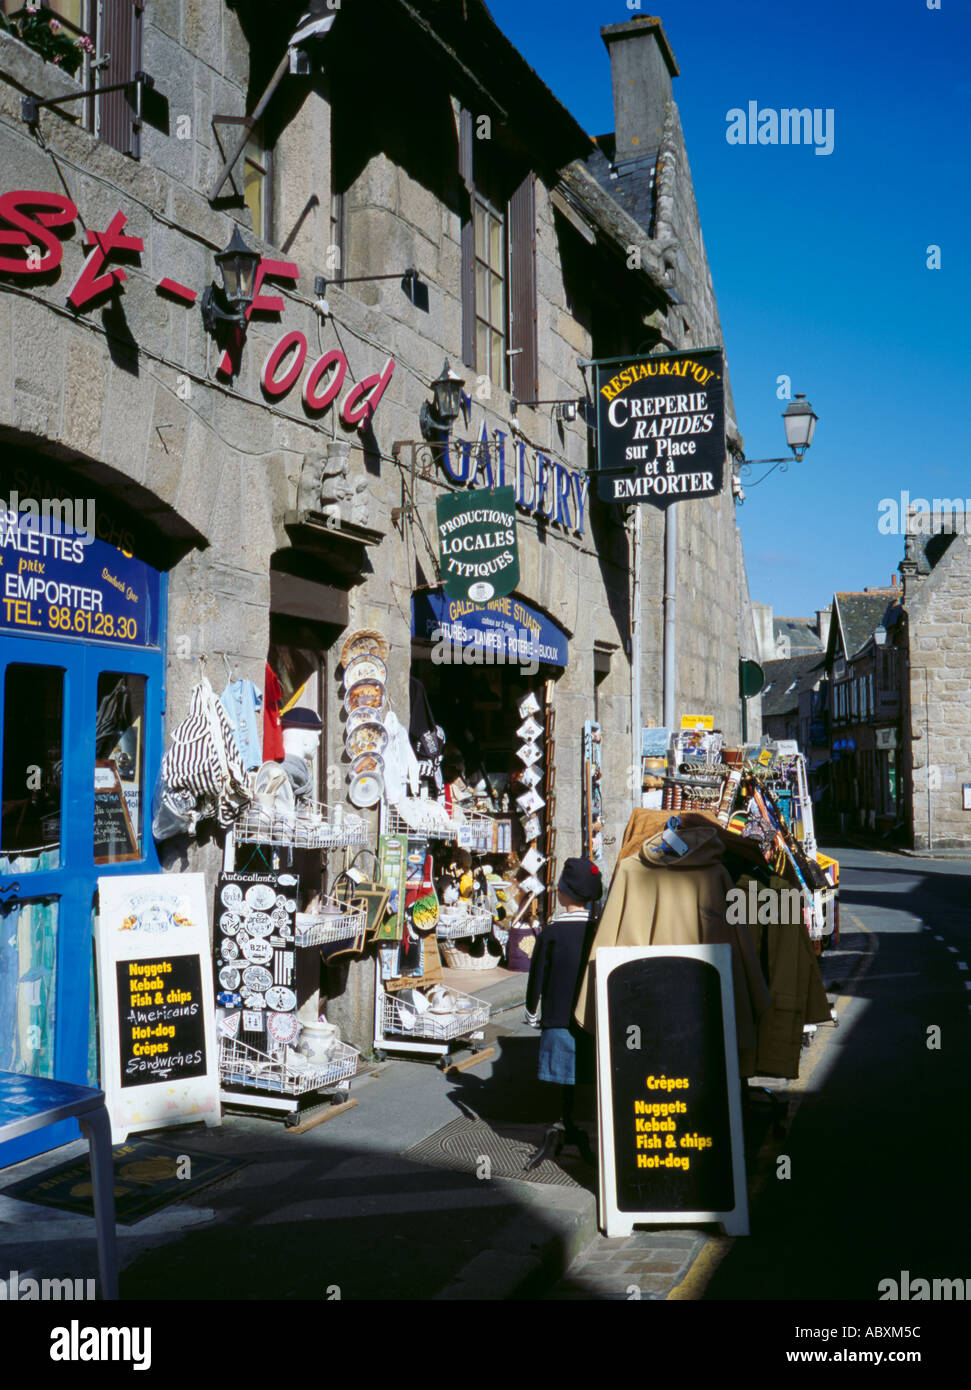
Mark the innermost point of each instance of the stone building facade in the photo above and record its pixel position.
(275, 521)
(936, 722)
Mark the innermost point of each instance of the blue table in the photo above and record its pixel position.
(30, 1102)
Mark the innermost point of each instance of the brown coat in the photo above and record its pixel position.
(658, 899)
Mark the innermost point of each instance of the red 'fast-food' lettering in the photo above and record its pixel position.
(34, 230)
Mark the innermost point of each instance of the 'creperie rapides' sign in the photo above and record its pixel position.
(661, 428)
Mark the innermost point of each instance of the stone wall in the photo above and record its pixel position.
(937, 731)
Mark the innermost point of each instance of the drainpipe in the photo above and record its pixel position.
(670, 610)
(927, 735)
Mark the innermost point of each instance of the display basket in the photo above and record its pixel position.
(455, 957)
(458, 921)
(471, 1015)
(313, 825)
(242, 1065)
(335, 921)
(474, 831)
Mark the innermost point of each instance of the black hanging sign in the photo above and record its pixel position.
(478, 545)
(661, 428)
(668, 1089)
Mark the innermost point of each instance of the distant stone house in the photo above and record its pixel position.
(864, 661)
(936, 689)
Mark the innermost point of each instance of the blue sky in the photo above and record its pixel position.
(819, 261)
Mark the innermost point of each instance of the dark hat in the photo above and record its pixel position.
(300, 719)
(582, 880)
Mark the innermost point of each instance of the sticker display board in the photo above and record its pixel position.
(661, 427)
(255, 962)
(668, 1089)
(158, 1052)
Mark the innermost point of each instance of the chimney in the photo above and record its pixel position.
(823, 616)
(641, 68)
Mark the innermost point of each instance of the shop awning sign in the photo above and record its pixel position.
(504, 629)
(477, 543)
(661, 428)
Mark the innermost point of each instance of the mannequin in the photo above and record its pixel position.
(291, 779)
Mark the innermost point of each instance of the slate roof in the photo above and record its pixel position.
(632, 184)
(786, 680)
(800, 631)
(857, 614)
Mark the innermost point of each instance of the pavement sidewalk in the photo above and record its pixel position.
(338, 1212)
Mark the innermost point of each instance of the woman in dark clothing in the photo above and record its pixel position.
(554, 982)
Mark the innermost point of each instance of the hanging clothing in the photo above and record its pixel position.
(272, 730)
(426, 736)
(662, 899)
(798, 993)
(401, 773)
(203, 762)
(243, 703)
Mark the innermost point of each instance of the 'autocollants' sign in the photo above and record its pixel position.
(661, 428)
(477, 539)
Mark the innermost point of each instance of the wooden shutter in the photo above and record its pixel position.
(524, 373)
(466, 151)
(121, 36)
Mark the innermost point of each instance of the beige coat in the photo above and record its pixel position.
(659, 899)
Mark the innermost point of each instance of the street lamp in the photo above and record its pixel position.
(440, 417)
(237, 265)
(799, 420)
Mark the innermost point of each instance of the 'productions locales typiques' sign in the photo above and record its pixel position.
(661, 428)
(478, 545)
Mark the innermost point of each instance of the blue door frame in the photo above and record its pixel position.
(74, 882)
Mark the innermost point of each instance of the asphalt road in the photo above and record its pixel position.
(879, 1144)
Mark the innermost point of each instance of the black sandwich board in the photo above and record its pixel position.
(671, 1149)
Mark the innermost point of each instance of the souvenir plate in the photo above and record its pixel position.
(232, 895)
(229, 923)
(283, 1027)
(365, 668)
(366, 789)
(229, 950)
(367, 738)
(259, 924)
(365, 695)
(261, 897)
(257, 977)
(229, 977)
(281, 999)
(365, 642)
(359, 717)
(367, 762)
(257, 951)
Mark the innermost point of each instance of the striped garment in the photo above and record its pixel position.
(204, 761)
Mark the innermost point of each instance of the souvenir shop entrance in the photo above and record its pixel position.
(82, 674)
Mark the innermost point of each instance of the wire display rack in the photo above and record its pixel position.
(313, 825)
(458, 921)
(246, 1067)
(402, 1019)
(334, 922)
(431, 822)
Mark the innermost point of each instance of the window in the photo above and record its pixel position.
(490, 291)
(498, 264)
(256, 182)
